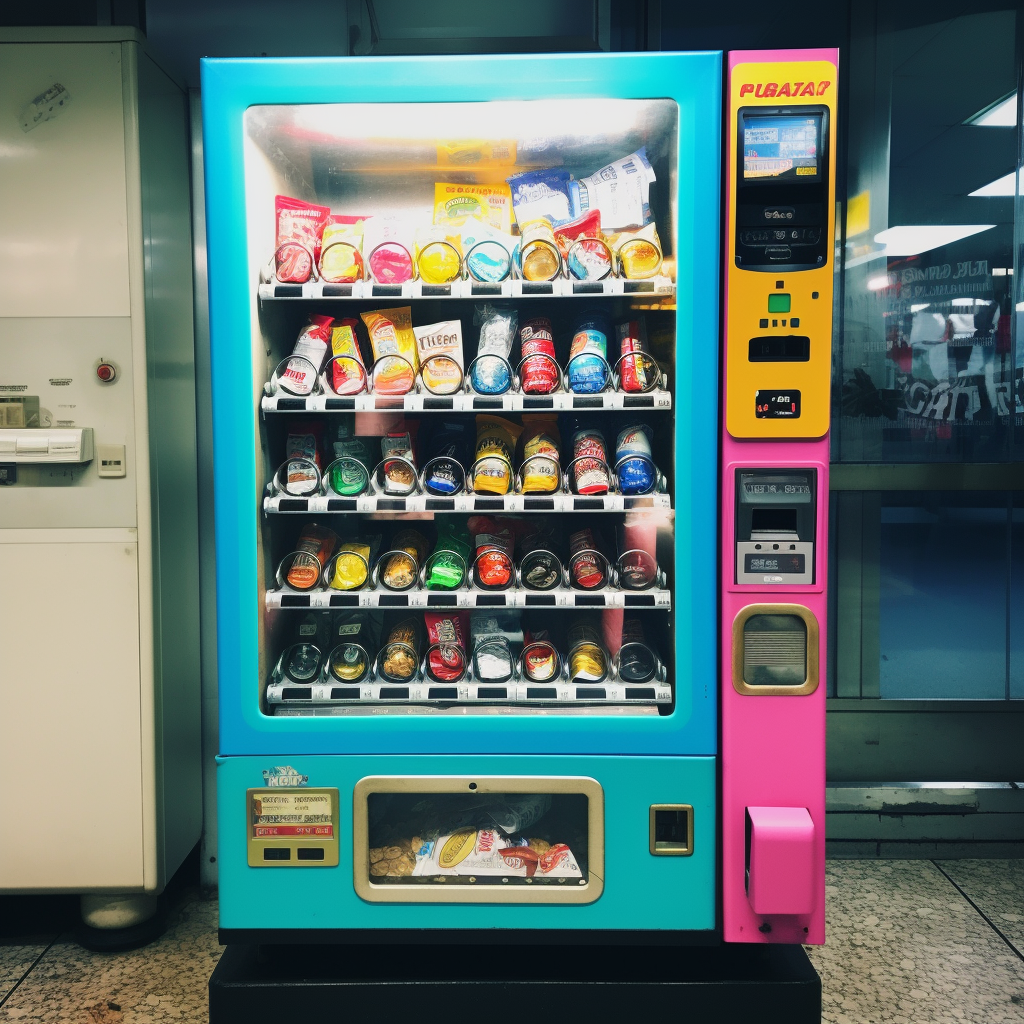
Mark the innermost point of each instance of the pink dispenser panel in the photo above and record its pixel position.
(781, 876)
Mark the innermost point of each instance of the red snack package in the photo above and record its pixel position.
(494, 543)
(587, 226)
(522, 857)
(633, 339)
(300, 229)
(590, 470)
(554, 856)
(540, 374)
(587, 570)
(446, 663)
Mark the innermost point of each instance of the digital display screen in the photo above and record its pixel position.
(775, 562)
(781, 147)
(777, 489)
(777, 405)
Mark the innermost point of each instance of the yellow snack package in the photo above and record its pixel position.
(541, 474)
(341, 257)
(438, 253)
(440, 351)
(476, 153)
(391, 334)
(495, 442)
(351, 567)
(453, 203)
(638, 253)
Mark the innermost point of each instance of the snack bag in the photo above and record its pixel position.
(388, 245)
(346, 377)
(495, 442)
(303, 443)
(319, 542)
(540, 472)
(489, 852)
(448, 451)
(401, 568)
(341, 257)
(352, 566)
(439, 347)
(454, 203)
(638, 253)
(633, 462)
(538, 368)
(583, 248)
(551, 194)
(621, 191)
(391, 334)
(588, 662)
(446, 567)
(591, 469)
(400, 656)
(587, 368)
(632, 339)
(447, 662)
(399, 476)
(476, 153)
(486, 251)
(586, 569)
(497, 325)
(298, 238)
(438, 254)
(493, 543)
(311, 346)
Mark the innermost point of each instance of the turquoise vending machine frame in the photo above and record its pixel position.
(638, 763)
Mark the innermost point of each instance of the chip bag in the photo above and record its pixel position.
(495, 442)
(341, 257)
(454, 203)
(439, 347)
(540, 471)
(299, 234)
(391, 336)
(351, 567)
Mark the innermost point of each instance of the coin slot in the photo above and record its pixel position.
(272, 853)
(309, 853)
(671, 830)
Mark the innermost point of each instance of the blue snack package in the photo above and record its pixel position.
(490, 372)
(552, 194)
(633, 463)
(588, 368)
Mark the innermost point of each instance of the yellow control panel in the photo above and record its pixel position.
(780, 244)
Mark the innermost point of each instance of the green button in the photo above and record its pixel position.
(778, 303)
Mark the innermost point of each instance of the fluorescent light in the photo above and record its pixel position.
(999, 271)
(876, 284)
(1000, 187)
(962, 302)
(912, 239)
(918, 306)
(1001, 114)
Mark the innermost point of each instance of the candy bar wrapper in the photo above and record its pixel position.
(299, 232)
(486, 852)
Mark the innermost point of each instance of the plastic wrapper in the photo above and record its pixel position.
(639, 545)
(351, 567)
(446, 663)
(540, 662)
(495, 442)
(399, 466)
(353, 639)
(454, 203)
(391, 334)
(388, 247)
(620, 190)
(633, 464)
(487, 853)
(351, 477)
(303, 446)
(399, 571)
(447, 458)
(493, 543)
(446, 568)
(587, 256)
(299, 234)
(632, 339)
(588, 662)
(541, 473)
(486, 251)
(301, 370)
(347, 379)
(637, 660)
(439, 347)
(538, 368)
(587, 568)
(638, 253)
(537, 548)
(587, 368)
(301, 664)
(438, 252)
(314, 540)
(341, 257)
(590, 469)
(497, 325)
(539, 258)
(400, 656)
(494, 635)
(551, 194)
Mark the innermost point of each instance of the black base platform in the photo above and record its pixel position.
(717, 985)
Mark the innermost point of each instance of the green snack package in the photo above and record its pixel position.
(447, 565)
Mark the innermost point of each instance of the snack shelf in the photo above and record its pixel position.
(276, 504)
(470, 597)
(511, 692)
(660, 286)
(659, 399)
(354, 709)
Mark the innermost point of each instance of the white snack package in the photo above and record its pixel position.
(621, 191)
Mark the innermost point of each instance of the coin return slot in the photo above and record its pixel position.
(309, 853)
(272, 854)
(671, 827)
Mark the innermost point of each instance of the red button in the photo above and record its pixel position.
(106, 372)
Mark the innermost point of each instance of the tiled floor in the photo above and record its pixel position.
(910, 942)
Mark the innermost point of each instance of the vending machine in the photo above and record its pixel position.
(465, 348)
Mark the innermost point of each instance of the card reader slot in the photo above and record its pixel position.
(779, 348)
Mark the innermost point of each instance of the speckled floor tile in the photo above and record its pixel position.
(904, 947)
(997, 887)
(14, 962)
(164, 982)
